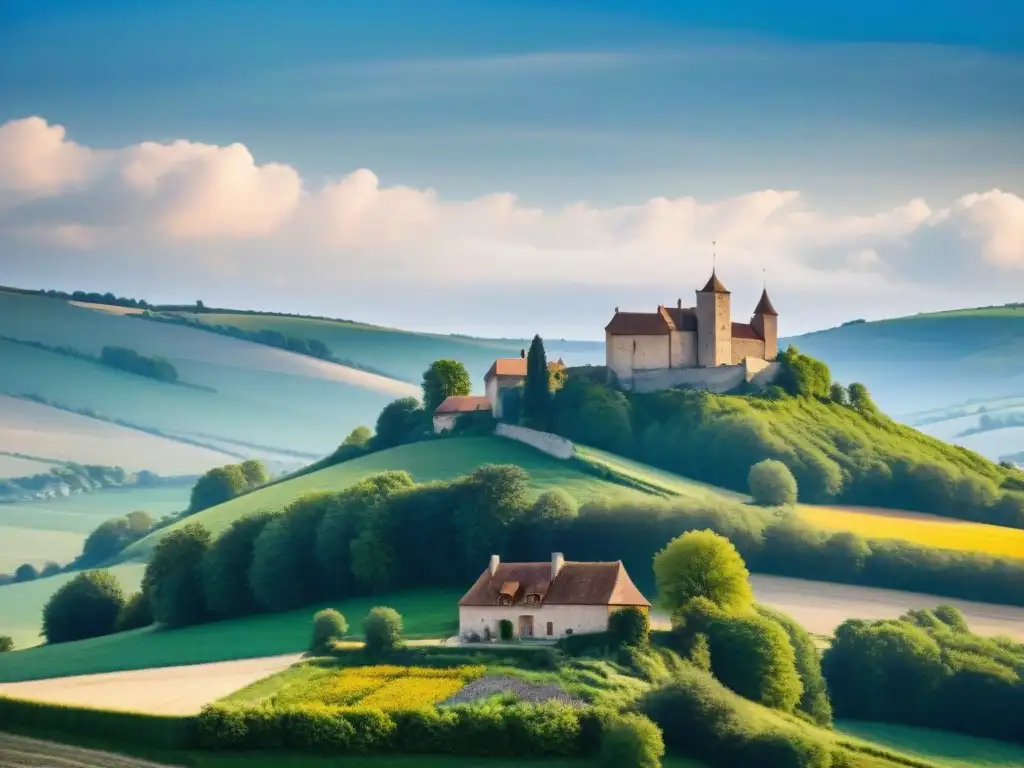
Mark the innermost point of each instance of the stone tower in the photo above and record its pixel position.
(714, 325)
(766, 322)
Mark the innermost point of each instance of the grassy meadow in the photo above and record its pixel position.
(442, 460)
(425, 613)
(249, 398)
(402, 354)
(54, 529)
(947, 749)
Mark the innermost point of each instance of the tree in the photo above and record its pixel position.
(111, 536)
(803, 376)
(217, 486)
(357, 438)
(226, 567)
(814, 699)
(402, 421)
(702, 564)
(173, 580)
(772, 484)
(537, 388)
(631, 741)
(86, 606)
(255, 473)
(6, 644)
(25, 572)
(328, 626)
(442, 379)
(629, 627)
(860, 399)
(383, 629)
(493, 498)
(553, 506)
(838, 394)
(134, 614)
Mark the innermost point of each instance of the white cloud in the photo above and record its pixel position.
(199, 201)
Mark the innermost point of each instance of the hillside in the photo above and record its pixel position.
(234, 396)
(921, 367)
(401, 354)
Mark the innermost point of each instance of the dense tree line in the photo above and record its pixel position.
(835, 442)
(70, 477)
(222, 484)
(112, 536)
(130, 361)
(927, 669)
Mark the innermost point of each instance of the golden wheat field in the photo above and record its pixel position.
(380, 687)
(927, 530)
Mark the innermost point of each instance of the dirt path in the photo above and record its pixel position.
(163, 691)
(20, 752)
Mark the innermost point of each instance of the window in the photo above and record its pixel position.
(504, 600)
(551, 628)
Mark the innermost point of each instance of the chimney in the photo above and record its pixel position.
(493, 567)
(557, 561)
(679, 303)
(522, 353)
(616, 310)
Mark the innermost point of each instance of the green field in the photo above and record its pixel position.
(426, 614)
(947, 749)
(442, 460)
(54, 529)
(265, 400)
(404, 354)
(21, 605)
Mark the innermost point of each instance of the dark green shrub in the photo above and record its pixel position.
(786, 749)
(383, 630)
(226, 565)
(6, 644)
(700, 652)
(772, 484)
(629, 626)
(952, 618)
(134, 614)
(217, 486)
(814, 699)
(505, 630)
(631, 741)
(328, 626)
(86, 606)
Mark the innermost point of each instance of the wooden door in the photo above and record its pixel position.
(526, 626)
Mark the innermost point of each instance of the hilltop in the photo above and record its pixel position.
(939, 371)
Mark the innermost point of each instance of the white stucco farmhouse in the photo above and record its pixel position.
(546, 600)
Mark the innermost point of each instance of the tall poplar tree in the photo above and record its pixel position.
(536, 406)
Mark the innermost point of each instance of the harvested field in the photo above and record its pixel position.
(164, 691)
(21, 752)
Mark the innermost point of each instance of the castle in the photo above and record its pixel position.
(697, 346)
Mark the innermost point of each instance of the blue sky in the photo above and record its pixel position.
(860, 107)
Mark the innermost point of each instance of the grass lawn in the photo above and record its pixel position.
(442, 460)
(21, 605)
(928, 530)
(426, 614)
(948, 749)
(54, 529)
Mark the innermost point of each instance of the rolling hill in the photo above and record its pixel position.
(938, 371)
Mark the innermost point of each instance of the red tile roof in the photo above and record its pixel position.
(638, 324)
(515, 366)
(575, 584)
(463, 404)
(745, 331)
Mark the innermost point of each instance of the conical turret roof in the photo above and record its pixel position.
(714, 285)
(764, 306)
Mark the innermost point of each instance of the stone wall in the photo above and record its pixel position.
(724, 378)
(553, 445)
(744, 348)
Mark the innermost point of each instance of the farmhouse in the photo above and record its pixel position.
(507, 373)
(681, 345)
(546, 600)
(448, 411)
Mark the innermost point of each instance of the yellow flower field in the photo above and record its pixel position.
(927, 530)
(380, 687)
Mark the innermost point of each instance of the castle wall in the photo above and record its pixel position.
(553, 445)
(724, 378)
(627, 354)
(684, 349)
(744, 348)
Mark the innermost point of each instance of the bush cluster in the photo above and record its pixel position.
(926, 669)
(519, 730)
(112, 536)
(843, 451)
(222, 484)
(130, 361)
(87, 606)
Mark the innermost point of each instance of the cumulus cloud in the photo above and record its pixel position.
(195, 200)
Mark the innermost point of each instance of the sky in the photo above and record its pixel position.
(504, 168)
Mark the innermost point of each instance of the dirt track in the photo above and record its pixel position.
(19, 752)
(164, 691)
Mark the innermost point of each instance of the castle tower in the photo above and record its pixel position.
(714, 325)
(766, 322)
